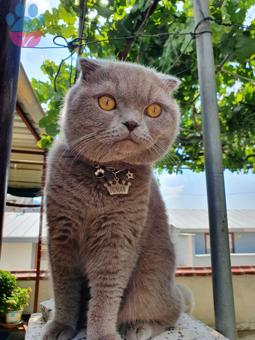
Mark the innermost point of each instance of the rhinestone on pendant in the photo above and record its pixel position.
(130, 175)
(99, 172)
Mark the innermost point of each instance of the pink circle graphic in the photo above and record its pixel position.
(23, 39)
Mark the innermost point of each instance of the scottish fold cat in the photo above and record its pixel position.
(112, 260)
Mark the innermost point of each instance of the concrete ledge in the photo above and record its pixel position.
(186, 329)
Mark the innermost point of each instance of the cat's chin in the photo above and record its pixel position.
(126, 145)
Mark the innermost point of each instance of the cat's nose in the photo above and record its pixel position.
(131, 125)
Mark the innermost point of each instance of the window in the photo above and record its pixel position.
(199, 244)
(231, 240)
(245, 243)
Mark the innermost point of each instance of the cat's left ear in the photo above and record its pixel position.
(87, 67)
(169, 83)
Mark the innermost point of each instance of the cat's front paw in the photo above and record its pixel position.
(139, 333)
(54, 330)
(115, 336)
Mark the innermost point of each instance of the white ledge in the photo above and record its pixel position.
(186, 329)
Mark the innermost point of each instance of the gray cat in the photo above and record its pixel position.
(112, 260)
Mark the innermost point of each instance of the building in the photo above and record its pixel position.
(24, 179)
(20, 241)
(190, 230)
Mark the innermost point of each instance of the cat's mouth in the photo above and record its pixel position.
(128, 139)
(127, 144)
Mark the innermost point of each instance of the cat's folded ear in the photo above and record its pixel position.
(169, 83)
(87, 67)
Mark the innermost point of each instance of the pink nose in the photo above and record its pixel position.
(131, 125)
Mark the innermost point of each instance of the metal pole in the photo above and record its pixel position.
(9, 70)
(220, 255)
(83, 8)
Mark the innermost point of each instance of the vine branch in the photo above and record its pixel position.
(138, 27)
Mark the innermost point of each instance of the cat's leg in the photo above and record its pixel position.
(67, 302)
(66, 284)
(152, 302)
(106, 291)
(111, 260)
(149, 310)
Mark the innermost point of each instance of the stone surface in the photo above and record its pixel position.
(186, 329)
(35, 325)
(47, 309)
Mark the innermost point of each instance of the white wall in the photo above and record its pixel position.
(186, 257)
(184, 250)
(236, 260)
(16, 256)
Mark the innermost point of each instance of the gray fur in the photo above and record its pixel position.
(117, 248)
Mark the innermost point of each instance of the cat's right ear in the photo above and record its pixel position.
(87, 67)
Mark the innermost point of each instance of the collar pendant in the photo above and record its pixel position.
(117, 182)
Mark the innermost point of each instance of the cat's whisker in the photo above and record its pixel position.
(93, 136)
(85, 136)
(88, 136)
(152, 145)
(101, 140)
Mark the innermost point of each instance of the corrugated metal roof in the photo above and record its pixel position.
(25, 226)
(194, 220)
(26, 158)
(20, 226)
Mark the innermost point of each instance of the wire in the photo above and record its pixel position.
(77, 43)
(71, 71)
(193, 34)
(44, 47)
(59, 69)
(182, 53)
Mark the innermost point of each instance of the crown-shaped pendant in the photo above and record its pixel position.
(117, 182)
(117, 187)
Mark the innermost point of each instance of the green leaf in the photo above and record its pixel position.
(104, 11)
(245, 48)
(109, 27)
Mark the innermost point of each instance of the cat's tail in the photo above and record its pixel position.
(188, 298)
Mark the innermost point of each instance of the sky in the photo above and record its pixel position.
(188, 190)
(179, 191)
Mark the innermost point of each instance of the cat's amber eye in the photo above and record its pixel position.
(153, 110)
(107, 103)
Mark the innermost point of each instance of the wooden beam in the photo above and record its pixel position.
(29, 152)
(27, 122)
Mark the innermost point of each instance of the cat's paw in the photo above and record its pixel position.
(115, 336)
(139, 333)
(54, 330)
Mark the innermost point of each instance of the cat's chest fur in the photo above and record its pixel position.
(84, 196)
